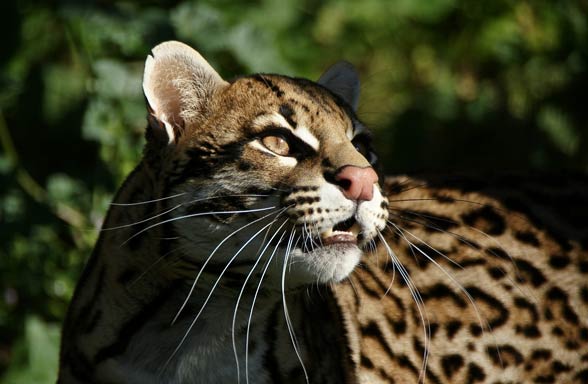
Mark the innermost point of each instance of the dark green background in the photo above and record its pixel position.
(447, 85)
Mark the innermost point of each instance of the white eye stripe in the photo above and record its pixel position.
(355, 129)
(302, 132)
(274, 119)
(283, 160)
(305, 135)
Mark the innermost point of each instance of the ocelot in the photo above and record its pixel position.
(256, 242)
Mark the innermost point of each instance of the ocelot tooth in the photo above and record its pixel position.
(327, 233)
(355, 229)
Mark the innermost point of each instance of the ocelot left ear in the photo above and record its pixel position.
(177, 83)
(343, 80)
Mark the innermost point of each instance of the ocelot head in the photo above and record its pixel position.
(265, 166)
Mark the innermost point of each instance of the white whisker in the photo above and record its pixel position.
(265, 268)
(418, 301)
(149, 201)
(286, 314)
(261, 253)
(483, 323)
(211, 291)
(196, 215)
(210, 257)
(141, 221)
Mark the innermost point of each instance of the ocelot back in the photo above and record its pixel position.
(255, 243)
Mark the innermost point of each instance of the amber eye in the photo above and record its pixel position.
(277, 145)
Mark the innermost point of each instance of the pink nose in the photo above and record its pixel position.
(357, 183)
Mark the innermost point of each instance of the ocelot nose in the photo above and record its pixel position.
(357, 183)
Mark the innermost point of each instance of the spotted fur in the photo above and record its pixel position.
(255, 243)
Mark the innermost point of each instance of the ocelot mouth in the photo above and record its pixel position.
(345, 232)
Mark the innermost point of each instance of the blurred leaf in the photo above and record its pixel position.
(36, 356)
(116, 80)
(554, 123)
(64, 89)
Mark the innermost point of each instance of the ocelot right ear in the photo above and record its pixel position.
(343, 80)
(177, 84)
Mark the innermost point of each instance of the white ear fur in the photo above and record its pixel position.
(343, 80)
(177, 83)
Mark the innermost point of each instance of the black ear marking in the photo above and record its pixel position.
(343, 80)
(156, 129)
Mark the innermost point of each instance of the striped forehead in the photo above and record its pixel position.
(300, 130)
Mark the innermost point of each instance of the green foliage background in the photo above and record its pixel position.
(447, 85)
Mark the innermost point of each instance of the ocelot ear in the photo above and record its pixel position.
(177, 83)
(343, 80)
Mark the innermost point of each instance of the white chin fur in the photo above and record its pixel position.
(323, 265)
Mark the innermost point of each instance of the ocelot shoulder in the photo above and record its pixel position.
(485, 280)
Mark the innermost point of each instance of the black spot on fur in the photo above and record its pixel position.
(398, 326)
(433, 328)
(326, 163)
(268, 83)
(528, 273)
(475, 330)
(432, 221)
(496, 273)
(559, 261)
(557, 294)
(475, 373)
(527, 238)
(372, 330)
(544, 379)
(572, 345)
(485, 219)
(441, 291)
(366, 362)
(582, 376)
(481, 296)
(521, 302)
(452, 328)
(504, 355)
(529, 331)
(498, 252)
(405, 362)
(584, 294)
(244, 166)
(444, 199)
(541, 354)
(451, 364)
(288, 113)
(559, 367)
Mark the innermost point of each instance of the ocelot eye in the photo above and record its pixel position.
(360, 147)
(277, 145)
(363, 148)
